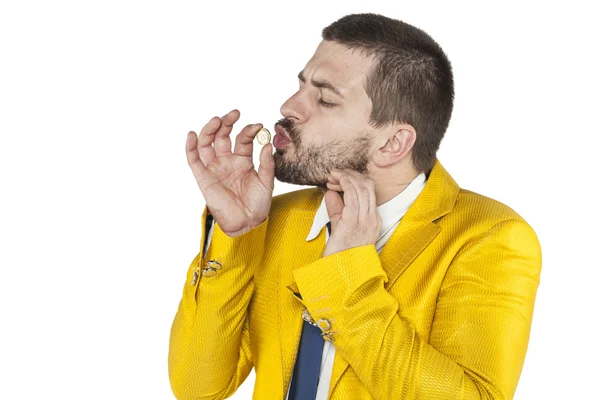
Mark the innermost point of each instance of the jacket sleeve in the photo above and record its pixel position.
(209, 347)
(479, 333)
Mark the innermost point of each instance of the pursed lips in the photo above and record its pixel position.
(280, 130)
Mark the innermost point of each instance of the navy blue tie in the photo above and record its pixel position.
(308, 362)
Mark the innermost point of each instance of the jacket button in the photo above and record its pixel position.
(307, 317)
(195, 277)
(209, 271)
(214, 264)
(328, 337)
(324, 324)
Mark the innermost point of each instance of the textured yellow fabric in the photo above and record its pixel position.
(443, 312)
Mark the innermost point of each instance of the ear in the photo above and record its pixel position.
(398, 145)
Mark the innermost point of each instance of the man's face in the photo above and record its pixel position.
(323, 138)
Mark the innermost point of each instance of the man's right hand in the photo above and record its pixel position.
(238, 197)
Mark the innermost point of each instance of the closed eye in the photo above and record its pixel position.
(326, 104)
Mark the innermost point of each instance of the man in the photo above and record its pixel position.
(417, 289)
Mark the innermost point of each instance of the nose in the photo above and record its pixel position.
(294, 109)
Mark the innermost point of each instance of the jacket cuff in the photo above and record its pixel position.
(230, 252)
(326, 285)
(235, 250)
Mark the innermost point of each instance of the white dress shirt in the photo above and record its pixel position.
(391, 213)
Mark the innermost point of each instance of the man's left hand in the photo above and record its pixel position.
(355, 221)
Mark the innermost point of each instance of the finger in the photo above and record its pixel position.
(334, 186)
(204, 144)
(266, 169)
(194, 161)
(374, 212)
(333, 183)
(193, 154)
(245, 139)
(370, 199)
(191, 149)
(334, 177)
(335, 207)
(362, 194)
(222, 140)
(351, 202)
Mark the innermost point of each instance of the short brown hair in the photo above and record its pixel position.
(411, 81)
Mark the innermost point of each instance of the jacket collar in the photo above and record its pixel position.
(391, 211)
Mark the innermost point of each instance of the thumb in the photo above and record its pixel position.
(266, 169)
(335, 205)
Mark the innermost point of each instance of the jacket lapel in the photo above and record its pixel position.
(414, 232)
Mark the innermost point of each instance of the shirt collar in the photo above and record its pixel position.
(391, 211)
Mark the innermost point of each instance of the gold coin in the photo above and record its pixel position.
(263, 136)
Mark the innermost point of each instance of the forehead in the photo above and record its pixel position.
(344, 68)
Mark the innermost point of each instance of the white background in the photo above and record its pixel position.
(100, 213)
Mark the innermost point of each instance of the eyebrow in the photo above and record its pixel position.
(321, 84)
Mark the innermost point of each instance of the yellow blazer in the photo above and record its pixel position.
(443, 312)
